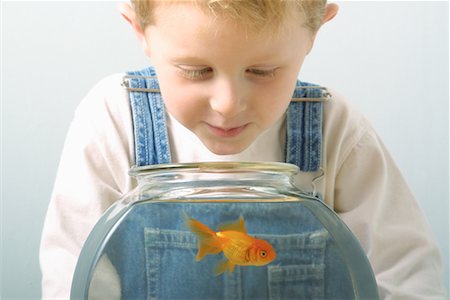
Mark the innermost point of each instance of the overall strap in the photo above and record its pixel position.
(149, 118)
(304, 126)
(304, 122)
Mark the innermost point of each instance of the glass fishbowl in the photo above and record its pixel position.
(225, 230)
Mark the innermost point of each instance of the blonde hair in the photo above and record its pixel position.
(254, 14)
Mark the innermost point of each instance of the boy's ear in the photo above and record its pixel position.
(129, 15)
(330, 12)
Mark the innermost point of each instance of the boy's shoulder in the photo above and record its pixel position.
(343, 123)
(109, 86)
(106, 93)
(339, 107)
(106, 108)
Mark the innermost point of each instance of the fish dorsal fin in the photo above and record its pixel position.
(236, 226)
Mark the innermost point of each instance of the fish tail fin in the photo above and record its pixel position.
(223, 266)
(208, 242)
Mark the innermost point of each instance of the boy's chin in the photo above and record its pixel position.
(226, 148)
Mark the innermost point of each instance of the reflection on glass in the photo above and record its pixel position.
(144, 248)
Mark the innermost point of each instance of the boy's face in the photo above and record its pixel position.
(224, 83)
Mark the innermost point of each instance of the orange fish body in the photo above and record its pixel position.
(237, 246)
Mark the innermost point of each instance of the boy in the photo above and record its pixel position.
(227, 71)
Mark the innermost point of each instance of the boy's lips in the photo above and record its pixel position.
(226, 132)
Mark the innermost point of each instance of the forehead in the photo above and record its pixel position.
(251, 18)
(184, 28)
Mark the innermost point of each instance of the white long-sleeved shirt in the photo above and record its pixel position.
(361, 183)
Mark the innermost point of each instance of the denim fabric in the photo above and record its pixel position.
(154, 253)
(304, 124)
(304, 129)
(149, 120)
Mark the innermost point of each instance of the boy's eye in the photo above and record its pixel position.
(262, 72)
(194, 74)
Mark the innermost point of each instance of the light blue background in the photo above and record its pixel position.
(389, 58)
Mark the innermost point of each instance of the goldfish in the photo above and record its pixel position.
(232, 239)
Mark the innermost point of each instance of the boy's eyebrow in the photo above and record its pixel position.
(185, 58)
(266, 60)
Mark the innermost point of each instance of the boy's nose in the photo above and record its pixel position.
(228, 98)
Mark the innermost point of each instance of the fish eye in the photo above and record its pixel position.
(263, 253)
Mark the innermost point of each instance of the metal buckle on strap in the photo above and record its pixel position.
(126, 84)
(326, 95)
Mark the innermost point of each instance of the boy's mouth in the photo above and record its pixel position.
(226, 132)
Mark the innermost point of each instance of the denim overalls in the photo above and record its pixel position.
(304, 123)
(311, 275)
